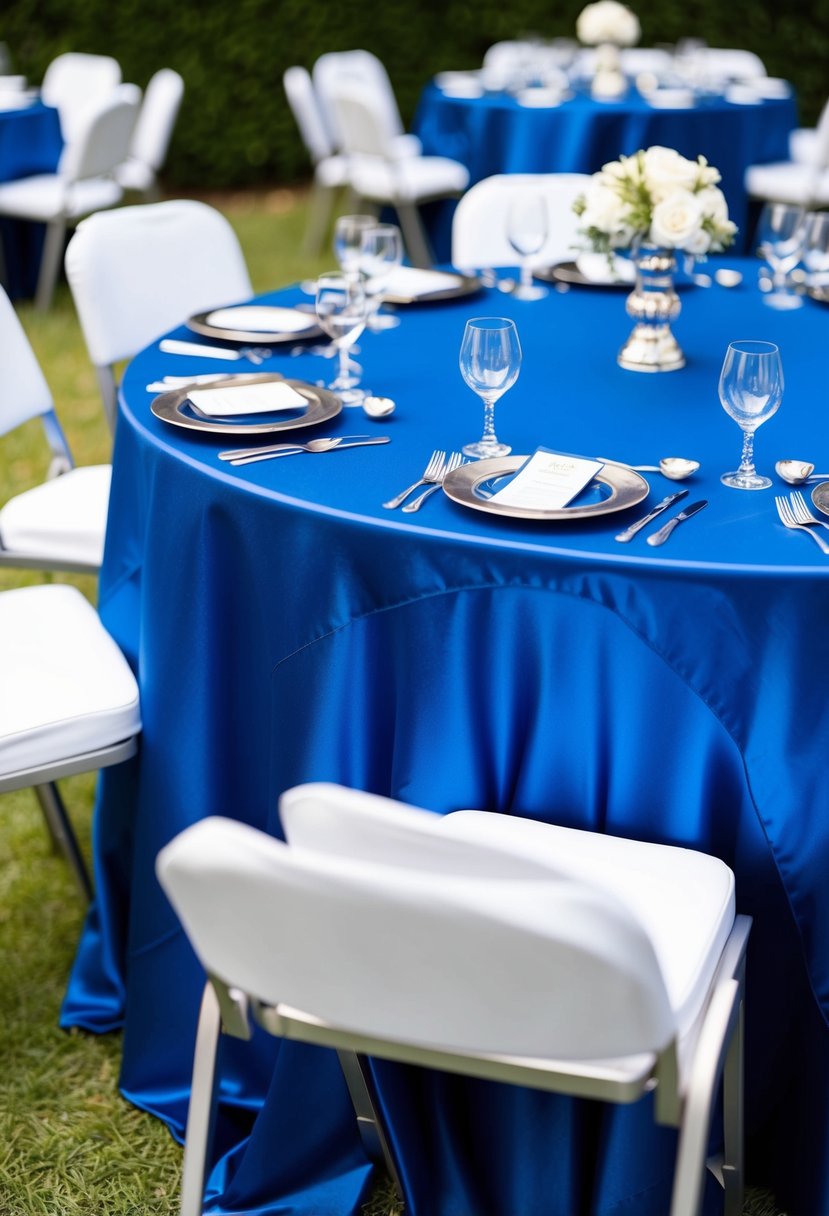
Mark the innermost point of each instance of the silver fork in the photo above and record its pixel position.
(455, 461)
(784, 510)
(431, 473)
(801, 512)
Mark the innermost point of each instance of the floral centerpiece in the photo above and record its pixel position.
(654, 203)
(607, 25)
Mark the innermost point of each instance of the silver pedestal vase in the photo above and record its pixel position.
(653, 304)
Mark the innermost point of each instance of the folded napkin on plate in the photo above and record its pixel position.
(246, 399)
(596, 268)
(259, 318)
(408, 281)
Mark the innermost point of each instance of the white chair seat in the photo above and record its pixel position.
(63, 519)
(46, 196)
(411, 179)
(67, 689)
(332, 172)
(803, 145)
(788, 182)
(135, 175)
(683, 899)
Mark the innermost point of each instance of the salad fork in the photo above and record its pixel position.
(455, 461)
(784, 510)
(801, 512)
(431, 473)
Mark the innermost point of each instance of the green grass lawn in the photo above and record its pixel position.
(69, 1144)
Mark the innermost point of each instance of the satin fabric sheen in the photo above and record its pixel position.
(30, 143)
(286, 628)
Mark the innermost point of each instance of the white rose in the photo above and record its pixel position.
(698, 243)
(607, 21)
(676, 220)
(666, 171)
(707, 175)
(603, 209)
(713, 205)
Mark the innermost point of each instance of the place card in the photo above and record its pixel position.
(547, 480)
(410, 282)
(246, 399)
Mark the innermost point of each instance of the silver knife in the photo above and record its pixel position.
(362, 443)
(238, 453)
(664, 532)
(630, 532)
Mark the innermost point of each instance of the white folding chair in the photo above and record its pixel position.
(726, 63)
(527, 931)
(83, 183)
(153, 132)
(801, 181)
(378, 176)
(364, 72)
(139, 271)
(479, 225)
(59, 524)
(68, 701)
(330, 167)
(75, 83)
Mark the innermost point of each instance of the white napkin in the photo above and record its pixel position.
(246, 399)
(595, 268)
(261, 318)
(542, 97)
(408, 281)
(671, 99)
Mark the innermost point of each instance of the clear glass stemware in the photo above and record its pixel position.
(341, 311)
(381, 250)
(348, 236)
(490, 360)
(751, 388)
(527, 224)
(781, 234)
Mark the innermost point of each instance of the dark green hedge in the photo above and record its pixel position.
(235, 127)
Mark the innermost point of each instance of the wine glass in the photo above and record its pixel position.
(341, 311)
(381, 249)
(490, 360)
(781, 235)
(816, 249)
(751, 387)
(348, 235)
(527, 223)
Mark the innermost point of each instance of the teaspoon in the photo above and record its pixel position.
(378, 407)
(675, 468)
(797, 472)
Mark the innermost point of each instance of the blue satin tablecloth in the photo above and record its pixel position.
(496, 134)
(286, 628)
(30, 142)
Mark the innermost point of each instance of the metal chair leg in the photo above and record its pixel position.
(414, 235)
(60, 829)
(319, 217)
(733, 1175)
(50, 263)
(201, 1112)
(369, 1123)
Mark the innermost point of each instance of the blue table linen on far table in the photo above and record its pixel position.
(30, 143)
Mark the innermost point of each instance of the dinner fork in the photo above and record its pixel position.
(784, 510)
(455, 461)
(431, 474)
(801, 512)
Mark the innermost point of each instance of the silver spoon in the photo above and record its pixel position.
(797, 472)
(726, 277)
(675, 468)
(378, 407)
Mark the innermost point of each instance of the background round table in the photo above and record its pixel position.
(285, 628)
(30, 143)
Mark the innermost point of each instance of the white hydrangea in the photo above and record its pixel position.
(607, 21)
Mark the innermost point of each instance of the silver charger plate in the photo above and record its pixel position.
(454, 290)
(174, 407)
(820, 496)
(568, 272)
(253, 337)
(618, 486)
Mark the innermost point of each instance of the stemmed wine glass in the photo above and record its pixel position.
(341, 311)
(348, 235)
(751, 388)
(381, 249)
(527, 224)
(490, 360)
(781, 235)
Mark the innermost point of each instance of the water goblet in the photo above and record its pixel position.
(816, 249)
(341, 311)
(527, 224)
(781, 235)
(381, 249)
(490, 360)
(751, 388)
(348, 235)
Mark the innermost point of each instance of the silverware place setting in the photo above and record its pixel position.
(454, 461)
(659, 538)
(666, 502)
(795, 514)
(203, 350)
(335, 443)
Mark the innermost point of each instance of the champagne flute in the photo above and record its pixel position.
(781, 235)
(341, 311)
(527, 223)
(348, 235)
(381, 249)
(490, 360)
(751, 388)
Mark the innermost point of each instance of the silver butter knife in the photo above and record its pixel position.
(664, 532)
(669, 501)
(297, 451)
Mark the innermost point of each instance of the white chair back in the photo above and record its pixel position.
(157, 118)
(468, 964)
(139, 271)
(24, 393)
(367, 77)
(361, 128)
(74, 82)
(479, 225)
(821, 145)
(305, 107)
(722, 63)
(102, 139)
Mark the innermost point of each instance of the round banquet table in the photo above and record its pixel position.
(285, 628)
(495, 133)
(30, 143)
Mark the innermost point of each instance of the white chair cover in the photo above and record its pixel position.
(479, 225)
(75, 83)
